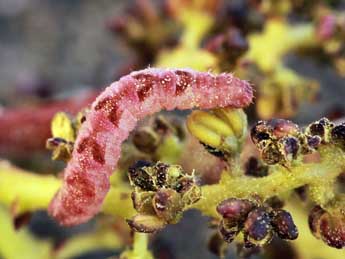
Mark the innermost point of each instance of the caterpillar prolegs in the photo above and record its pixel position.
(114, 115)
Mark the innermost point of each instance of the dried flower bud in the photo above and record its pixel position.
(271, 154)
(320, 128)
(278, 141)
(273, 129)
(228, 231)
(257, 228)
(62, 149)
(168, 205)
(235, 210)
(283, 225)
(338, 134)
(142, 202)
(191, 195)
(290, 147)
(329, 227)
(140, 176)
(146, 223)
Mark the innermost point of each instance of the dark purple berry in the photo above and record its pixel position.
(257, 228)
(283, 225)
(235, 210)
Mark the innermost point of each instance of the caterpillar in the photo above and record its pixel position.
(115, 113)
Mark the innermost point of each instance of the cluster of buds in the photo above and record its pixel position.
(258, 223)
(64, 130)
(281, 141)
(161, 193)
(222, 131)
(329, 224)
(278, 140)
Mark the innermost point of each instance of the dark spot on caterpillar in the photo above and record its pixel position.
(145, 85)
(96, 150)
(109, 105)
(82, 145)
(184, 79)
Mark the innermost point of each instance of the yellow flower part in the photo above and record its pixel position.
(277, 39)
(62, 127)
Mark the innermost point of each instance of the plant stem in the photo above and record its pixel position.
(280, 181)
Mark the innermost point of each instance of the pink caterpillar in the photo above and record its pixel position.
(115, 113)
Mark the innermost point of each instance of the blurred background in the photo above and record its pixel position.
(58, 54)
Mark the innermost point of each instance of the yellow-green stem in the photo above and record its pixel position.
(280, 181)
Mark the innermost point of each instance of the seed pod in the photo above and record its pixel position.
(257, 228)
(329, 227)
(283, 225)
(228, 231)
(235, 210)
(168, 205)
(139, 176)
(314, 220)
(146, 223)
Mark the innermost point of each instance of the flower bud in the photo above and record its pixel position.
(278, 141)
(235, 210)
(273, 129)
(321, 128)
(142, 202)
(62, 149)
(329, 226)
(191, 195)
(222, 131)
(168, 205)
(228, 231)
(140, 176)
(283, 225)
(338, 134)
(257, 228)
